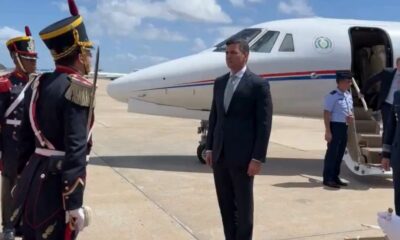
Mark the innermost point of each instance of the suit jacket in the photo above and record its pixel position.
(242, 133)
(386, 78)
(391, 137)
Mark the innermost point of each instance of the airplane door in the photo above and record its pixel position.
(371, 52)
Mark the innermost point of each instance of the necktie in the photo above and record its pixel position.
(229, 89)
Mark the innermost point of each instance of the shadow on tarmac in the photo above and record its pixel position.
(309, 169)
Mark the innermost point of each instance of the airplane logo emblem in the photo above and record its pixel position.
(323, 45)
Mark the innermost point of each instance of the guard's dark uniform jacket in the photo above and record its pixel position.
(391, 147)
(54, 138)
(11, 111)
(11, 85)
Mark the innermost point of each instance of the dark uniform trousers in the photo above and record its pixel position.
(43, 215)
(235, 198)
(7, 183)
(334, 153)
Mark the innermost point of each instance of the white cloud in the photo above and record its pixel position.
(198, 10)
(126, 17)
(242, 3)
(150, 32)
(199, 45)
(6, 33)
(63, 6)
(300, 8)
(237, 3)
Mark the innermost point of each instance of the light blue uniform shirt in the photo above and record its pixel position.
(339, 104)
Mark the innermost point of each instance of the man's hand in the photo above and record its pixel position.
(328, 136)
(385, 163)
(254, 168)
(77, 216)
(360, 95)
(349, 119)
(209, 160)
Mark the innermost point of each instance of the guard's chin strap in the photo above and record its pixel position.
(86, 64)
(20, 63)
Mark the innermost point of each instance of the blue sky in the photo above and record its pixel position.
(138, 33)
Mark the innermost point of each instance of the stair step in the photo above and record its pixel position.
(370, 140)
(367, 126)
(361, 114)
(372, 155)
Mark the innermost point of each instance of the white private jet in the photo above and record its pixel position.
(299, 57)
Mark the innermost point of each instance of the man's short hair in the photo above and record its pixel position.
(397, 60)
(243, 44)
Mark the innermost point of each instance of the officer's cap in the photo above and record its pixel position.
(343, 75)
(66, 35)
(24, 46)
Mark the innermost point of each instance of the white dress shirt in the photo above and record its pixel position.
(238, 77)
(393, 87)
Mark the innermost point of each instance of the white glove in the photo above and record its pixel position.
(390, 225)
(77, 217)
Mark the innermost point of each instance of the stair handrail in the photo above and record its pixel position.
(353, 123)
(364, 103)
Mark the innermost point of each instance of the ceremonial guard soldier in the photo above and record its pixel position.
(55, 137)
(12, 88)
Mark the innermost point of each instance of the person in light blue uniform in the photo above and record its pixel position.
(338, 114)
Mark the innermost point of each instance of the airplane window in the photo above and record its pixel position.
(287, 44)
(246, 34)
(266, 42)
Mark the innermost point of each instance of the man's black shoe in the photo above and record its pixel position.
(340, 183)
(331, 184)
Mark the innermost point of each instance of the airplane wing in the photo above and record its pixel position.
(108, 75)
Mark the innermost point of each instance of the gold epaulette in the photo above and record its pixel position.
(80, 90)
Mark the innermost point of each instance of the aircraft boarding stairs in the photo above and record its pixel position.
(363, 154)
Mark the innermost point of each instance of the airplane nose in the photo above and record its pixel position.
(117, 89)
(148, 81)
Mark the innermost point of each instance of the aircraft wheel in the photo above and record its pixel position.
(201, 153)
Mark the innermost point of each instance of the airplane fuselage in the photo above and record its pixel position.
(299, 79)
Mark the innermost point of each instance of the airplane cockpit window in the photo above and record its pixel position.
(246, 34)
(265, 43)
(287, 44)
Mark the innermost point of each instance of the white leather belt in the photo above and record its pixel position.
(13, 122)
(48, 152)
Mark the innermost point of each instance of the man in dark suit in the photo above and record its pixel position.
(389, 79)
(391, 148)
(237, 141)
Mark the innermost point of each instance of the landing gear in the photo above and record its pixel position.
(201, 149)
